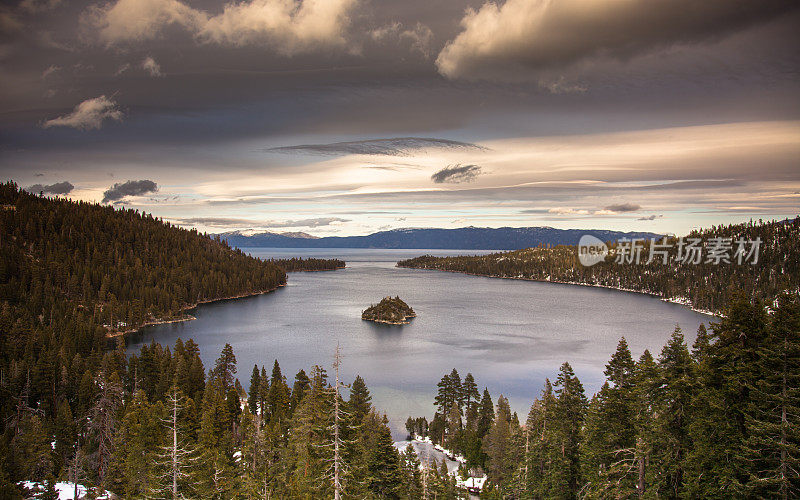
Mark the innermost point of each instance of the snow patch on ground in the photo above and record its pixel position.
(66, 490)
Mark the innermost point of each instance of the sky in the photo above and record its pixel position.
(346, 117)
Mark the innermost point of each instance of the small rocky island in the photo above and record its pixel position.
(390, 310)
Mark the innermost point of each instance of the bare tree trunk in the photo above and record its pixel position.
(642, 464)
(175, 448)
(336, 443)
(784, 423)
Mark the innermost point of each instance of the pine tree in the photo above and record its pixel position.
(673, 397)
(65, 432)
(225, 367)
(410, 466)
(384, 475)
(646, 380)
(471, 398)
(301, 385)
(360, 399)
(497, 444)
(216, 440)
(278, 403)
(32, 449)
(565, 480)
(772, 445)
(252, 395)
(311, 440)
(717, 465)
(263, 394)
(540, 446)
(444, 395)
(140, 436)
(453, 428)
(486, 414)
(608, 450)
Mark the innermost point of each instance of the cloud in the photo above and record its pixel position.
(129, 188)
(567, 211)
(541, 35)
(232, 222)
(398, 146)
(456, 174)
(50, 70)
(88, 115)
(287, 26)
(650, 217)
(609, 210)
(57, 188)
(151, 66)
(122, 69)
(420, 36)
(623, 207)
(137, 20)
(36, 6)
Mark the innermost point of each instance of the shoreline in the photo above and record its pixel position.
(315, 270)
(676, 300)
(187, 317)
(405, 321)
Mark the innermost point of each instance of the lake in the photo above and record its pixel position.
(510, 334)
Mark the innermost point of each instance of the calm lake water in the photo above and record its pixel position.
(510, 334)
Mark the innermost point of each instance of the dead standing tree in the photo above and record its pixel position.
(102, 424)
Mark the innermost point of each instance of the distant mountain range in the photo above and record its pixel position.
(465, 238)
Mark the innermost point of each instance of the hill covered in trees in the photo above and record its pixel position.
(720, 420)
(697, 281)
(390, 310)
(72, 273)
(298, 264)
(74, 265)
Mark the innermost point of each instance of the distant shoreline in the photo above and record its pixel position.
(316, 270)
(187, 317)
(678, 301)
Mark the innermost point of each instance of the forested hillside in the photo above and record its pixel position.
(92, 265)
(719, 421)
(72, 273)
(703, 285)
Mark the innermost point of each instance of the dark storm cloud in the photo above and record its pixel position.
(623, 207)
(545, 35)
(397, 146)
(57, 188)
(129, 188)
(456, 174)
